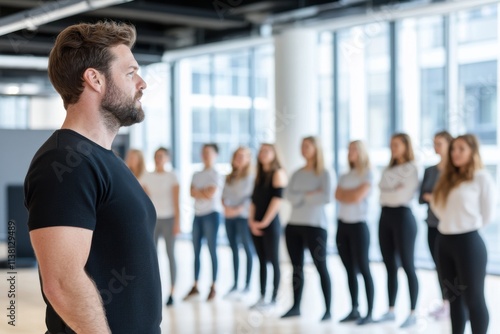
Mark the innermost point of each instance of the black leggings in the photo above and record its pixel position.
(462, 261)
(314, 238)
(267, 249)
(397, 234)
(432, 234)
(353, 243)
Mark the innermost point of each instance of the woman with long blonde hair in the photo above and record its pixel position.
(263, 217)
(464, 200)
(135, 162)
(309, 191)
(353, 235)
(236, 196)
(397, 226)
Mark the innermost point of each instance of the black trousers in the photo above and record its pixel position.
(397, 234)
(462, 261)
(432, 234)
(267, 249)
(299, 237)
(353, 244)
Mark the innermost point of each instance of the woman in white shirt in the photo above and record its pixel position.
(162, 187)
(206, 191)
(397, 227)
(464, 200)
(353, 236)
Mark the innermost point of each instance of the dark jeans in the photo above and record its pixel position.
(205, 227)
(237, 231)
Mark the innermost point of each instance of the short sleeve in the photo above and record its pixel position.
(174, 178)
(61, 190)
(369, 177)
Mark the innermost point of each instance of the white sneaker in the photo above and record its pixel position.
(261, 303)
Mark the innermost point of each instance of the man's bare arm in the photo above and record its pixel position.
(62, 252)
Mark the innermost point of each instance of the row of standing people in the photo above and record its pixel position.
(251, 205)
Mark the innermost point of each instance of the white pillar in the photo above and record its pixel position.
(296, 93)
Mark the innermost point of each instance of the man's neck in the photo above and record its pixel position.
(89, 125)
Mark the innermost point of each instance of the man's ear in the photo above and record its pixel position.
(94, 79)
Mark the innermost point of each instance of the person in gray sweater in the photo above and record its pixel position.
(309, 191)
(236, 197)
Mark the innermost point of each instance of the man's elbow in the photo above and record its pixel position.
(54, 290)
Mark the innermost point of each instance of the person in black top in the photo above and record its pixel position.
(442, 142)
(91, 223)
(263, 217)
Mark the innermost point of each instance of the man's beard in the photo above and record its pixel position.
(118, 109)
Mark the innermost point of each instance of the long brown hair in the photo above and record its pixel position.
(82, 46)
(408, 155)
(452, 176)
(140, 167)
(363, 164)
(263, 176)
(245, 171)
(445, 135)
(319, 161)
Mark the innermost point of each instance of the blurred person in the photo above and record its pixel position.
(464, 200)
(353, 235)
(309, 190)
(135, 162)
(236, 197)
(162, 186)
(442, 142)
(206, 191)
(91, 223)
(264, 220)
(397, 227)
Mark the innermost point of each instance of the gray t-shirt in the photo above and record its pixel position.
(239, 192)
(204, 179)
(431, 175)
(309, 209)
(354, 212)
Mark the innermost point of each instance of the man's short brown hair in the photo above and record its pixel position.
(82, 46)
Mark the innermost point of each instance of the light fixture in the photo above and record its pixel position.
(33, 18)
(12, 89)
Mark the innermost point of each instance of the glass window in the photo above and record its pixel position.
(264, 72)
(325, 69)
(231, 74)
(14, 111)
(200, 67)
(347, 66)
(421, 76)
(433, 112)
(478, 98)
(430, 32)
(478, 24)
(378, 88)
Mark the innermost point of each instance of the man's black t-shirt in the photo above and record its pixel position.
(72, 181)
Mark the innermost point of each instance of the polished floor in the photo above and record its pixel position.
(232, 315)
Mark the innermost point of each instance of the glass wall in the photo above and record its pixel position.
(224, 98)
(14, 112)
